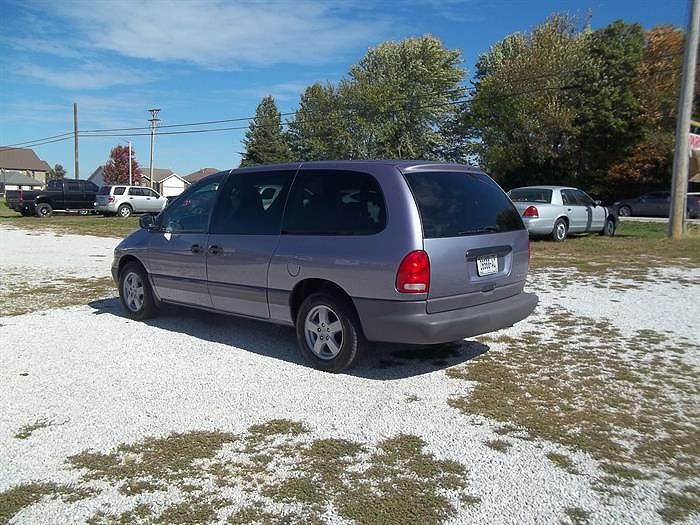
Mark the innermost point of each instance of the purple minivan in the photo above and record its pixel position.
(347, 252)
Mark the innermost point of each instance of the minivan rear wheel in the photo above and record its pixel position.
(136, 293)
(328, 332)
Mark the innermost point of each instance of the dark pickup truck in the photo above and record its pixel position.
(61, 195)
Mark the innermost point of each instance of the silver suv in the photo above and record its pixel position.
(125, 200)
(346, 252)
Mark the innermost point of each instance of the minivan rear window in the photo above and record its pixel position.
(454, 204)
(104, 190)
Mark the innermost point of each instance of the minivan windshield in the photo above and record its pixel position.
(454, 204)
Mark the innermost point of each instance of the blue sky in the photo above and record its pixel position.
(210, 60)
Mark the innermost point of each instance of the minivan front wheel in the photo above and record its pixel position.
(328, 332)
(135, 292)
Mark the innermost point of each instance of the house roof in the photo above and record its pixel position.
(200, 174)
(159, 174)
(21, 159)
(18, 179)
(176, 176)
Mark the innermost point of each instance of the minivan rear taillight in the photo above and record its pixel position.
(531, 211)
(413, 275)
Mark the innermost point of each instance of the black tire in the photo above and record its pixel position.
(135, 292)
(624, 211)
(84, 212)
(26, 213)
(124, 211)
(350, 342)
(609, 228)
(560, 230)
(44, 210)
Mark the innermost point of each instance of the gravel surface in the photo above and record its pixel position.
(101, 380)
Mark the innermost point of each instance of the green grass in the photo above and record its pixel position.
(70, 223)
(285, 475)
(630, 401)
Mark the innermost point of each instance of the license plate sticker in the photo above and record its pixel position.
(487, 265)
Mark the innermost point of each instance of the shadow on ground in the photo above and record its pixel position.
(381, 361)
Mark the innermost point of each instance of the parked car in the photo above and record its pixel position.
(124, 200)
(346, 251)
(557, 211)
(656, 204)
(59, 195)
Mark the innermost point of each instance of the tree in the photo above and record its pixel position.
(264, 141)
(399, 101)
(116, 170)
(55, 173)
(557, 105)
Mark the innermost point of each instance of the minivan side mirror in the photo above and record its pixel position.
(148, 222)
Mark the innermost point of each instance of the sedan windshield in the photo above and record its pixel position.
(531, 195)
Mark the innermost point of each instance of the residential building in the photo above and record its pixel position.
(24, 161)
(200, 174)
(14, 180)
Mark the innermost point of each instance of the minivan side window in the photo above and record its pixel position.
(251, 203)
(334, 202)
(190, 212)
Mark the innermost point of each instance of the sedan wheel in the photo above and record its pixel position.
(559, 231)
(624, 211)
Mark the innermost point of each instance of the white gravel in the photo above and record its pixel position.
(106, 380)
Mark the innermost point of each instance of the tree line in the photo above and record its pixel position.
(561, 104)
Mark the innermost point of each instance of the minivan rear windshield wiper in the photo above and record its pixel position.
(485, 229)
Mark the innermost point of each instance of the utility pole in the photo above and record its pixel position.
(154, 121)
(130, 182)
(679, 183)
(75, 138)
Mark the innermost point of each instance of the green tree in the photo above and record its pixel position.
(319, 130)
(57, 172)
(264, 141)
(399, 101)
(557, 105)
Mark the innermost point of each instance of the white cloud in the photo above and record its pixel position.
(84, 76)
(222, 35)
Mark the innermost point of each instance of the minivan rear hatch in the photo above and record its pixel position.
(473, 235)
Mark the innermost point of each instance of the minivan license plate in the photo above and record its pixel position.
(487, 265)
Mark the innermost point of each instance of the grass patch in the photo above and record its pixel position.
(633, 255)
(680, 507)
(563, 462)
(22, 496)
(500, 445)
(71, 223)
(17, 296)
(577, 515)
(27, 430)
(585, 385)
(285, 475)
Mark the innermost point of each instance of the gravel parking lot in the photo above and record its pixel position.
(586, 412)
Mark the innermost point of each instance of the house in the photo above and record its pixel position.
(165, 181)
(98, 176)
(200, 174)
(14, 180)
(24, 161)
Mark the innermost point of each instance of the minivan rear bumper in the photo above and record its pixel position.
(408, 322)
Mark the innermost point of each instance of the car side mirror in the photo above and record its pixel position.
(148, 222)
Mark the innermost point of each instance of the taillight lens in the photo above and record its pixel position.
(110, 199)
(413, 275)
(531, 211)
(21, 195)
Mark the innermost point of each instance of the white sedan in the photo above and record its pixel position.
(557, 211)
